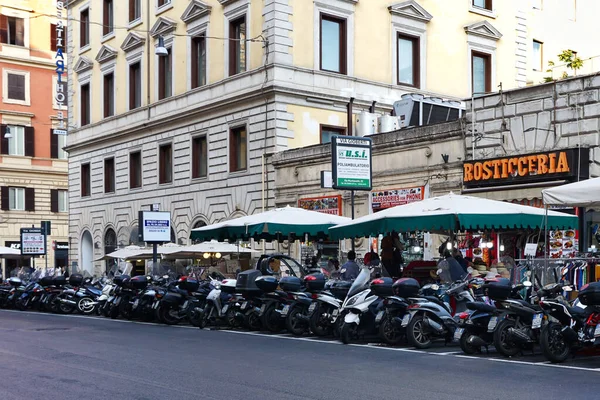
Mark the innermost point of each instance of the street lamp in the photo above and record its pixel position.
(7, 134)
(161, 50)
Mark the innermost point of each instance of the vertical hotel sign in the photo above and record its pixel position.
(60, 91)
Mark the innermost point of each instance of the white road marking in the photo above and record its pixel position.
(304, 339)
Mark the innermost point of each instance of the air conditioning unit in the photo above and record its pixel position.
(387, 123)
(417, 110)
(366, 124)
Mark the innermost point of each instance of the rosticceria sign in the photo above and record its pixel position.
(560, 164)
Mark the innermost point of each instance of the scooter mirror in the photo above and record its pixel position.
(568, 288)
(166, 276)
(438, 272)
(527, 284)
(470, 270)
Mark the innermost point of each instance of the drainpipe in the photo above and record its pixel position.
(148, 56)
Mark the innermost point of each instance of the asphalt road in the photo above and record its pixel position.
(72, 357)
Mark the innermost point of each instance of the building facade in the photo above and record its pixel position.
(33, 164)
(193, 128)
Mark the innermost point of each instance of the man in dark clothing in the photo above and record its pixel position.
(461, 260)
(350, 269)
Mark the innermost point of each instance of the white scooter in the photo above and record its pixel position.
(217, 302)
(356, 304)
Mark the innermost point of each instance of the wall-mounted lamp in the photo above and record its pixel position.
(7, 134)
(161, 50)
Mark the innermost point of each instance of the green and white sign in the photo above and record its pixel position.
(351, 163)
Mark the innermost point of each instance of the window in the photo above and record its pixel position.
(328, 131)
(165, 164)
(165, 75)
(85, 104)
(408, 60)
(135, 85)
(237, 46)
(109, 175)
(481, 66)
(199, 157)
(84, 28)
(54, 38)
(59, 201)
(135, 170)
(333, 44)
(238, 150)
(538, 60)
(107, 18)
(135, 9)
(12, 30)
(16, 144)
(163, 2)
(57, 143)
(85, 180)
(16, 199)
(485, 4)
(198, 61)
(16, 87)
(109, 95)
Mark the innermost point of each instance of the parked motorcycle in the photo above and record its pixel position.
(180, 300)
(571, 328)
(217, 307)
(326, 306)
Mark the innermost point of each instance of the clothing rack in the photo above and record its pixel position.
(577, 271)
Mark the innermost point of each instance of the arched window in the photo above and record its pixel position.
(198, 224)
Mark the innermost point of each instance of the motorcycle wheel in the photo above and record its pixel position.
(465, 346)
(64, 308)
(502, 341)
(231, 319)
(113, 312)
(349, 333)
(389, 333)
(51, 305)
(318, 325)
(293, 324)
(205, 320)
(21, 304)
(337, 327)
(86, 306)
(195, 316)
(125, 309)
(271, 319)
(553, 343)
(165, 315)
(253, 321)
(416, 335)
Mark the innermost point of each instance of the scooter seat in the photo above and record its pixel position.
(576, 311)
(434, 299)
(479, 306)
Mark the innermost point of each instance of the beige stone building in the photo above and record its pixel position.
(194, 128)
(33, 164)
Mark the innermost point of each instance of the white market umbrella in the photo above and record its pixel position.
(279, 223)
(452, 213)
(579, 194)
(209, 247)
(7, 251)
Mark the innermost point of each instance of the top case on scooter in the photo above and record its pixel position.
(46, 281)
(498, 289)
(191, 285)
(266, 283)
(315, 282)
(139, 282)
(121, 279)
(382, 287)
(76, 280)
(406, 287)
(589, 295)
(246, 282)
(59, 280)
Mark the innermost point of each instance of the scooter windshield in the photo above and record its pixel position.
(359, 283)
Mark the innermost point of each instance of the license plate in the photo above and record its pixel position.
(225, 308)
(262, 309)
(243, 306)
(458, 334)
(597, 331)
(379, 316)
(405, 320)
(285, 310)
(537, 321)
(312, 307)
(492, 324)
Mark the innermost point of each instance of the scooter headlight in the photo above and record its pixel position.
(352, 301)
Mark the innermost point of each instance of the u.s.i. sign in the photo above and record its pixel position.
(351, 163)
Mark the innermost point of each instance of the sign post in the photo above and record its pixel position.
(156, 228)
(46, 229)
(351, 166)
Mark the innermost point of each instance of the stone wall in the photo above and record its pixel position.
(563, 114)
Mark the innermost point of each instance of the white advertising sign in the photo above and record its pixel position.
(156, 226)
(351, 163)
(33, 242)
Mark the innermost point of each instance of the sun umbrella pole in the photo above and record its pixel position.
(546, 237)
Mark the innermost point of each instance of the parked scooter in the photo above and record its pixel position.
(217, 307)
(326, 306)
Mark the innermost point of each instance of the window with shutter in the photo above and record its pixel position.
(85, 180)
(29, 199)
(135, 85)
(54, 200)
(84, 28)
(16, 86)
(4, 202)
(53, 144)
(12, 30)
(109, 175)
(165, 164)
(29, 141)
(238, 150)
(107, 18)
(85, 104)
(3, 141)
(109, 95)
(53, 37)
(135, 170)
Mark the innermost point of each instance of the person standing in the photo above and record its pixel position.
(350, 269)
